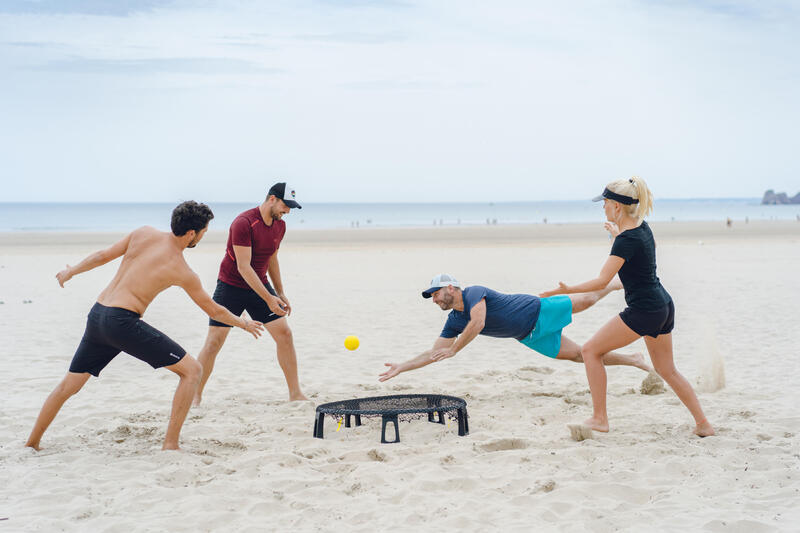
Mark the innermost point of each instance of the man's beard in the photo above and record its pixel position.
(275, 214)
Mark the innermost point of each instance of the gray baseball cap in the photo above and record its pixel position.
(442, 280)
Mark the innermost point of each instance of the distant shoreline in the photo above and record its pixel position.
(501, 235)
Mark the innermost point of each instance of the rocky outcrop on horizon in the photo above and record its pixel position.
(770, 198)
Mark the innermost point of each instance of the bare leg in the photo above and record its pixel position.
(614, 334)
(570, 351)
(287, 358)
(660, 349)
(71, 384)
(583, 301)
(214, 341)
(189, 371)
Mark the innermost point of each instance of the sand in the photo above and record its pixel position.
(249, 462)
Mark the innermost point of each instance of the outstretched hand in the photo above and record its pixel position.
(64, 276)
(394, 369)
(253, 327)
(562, 289)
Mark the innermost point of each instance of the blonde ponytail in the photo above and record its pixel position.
(636, 188)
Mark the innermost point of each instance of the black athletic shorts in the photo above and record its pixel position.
(110, 330)
(650, 323)
(236, 300)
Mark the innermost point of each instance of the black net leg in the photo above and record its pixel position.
(347, 421)
(463, 424)
(318, 425)
(358, 420)
(432, 419)
(386, 420)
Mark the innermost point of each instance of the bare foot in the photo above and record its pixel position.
(596, 424)
(297, 397)
(640, 363)
(196, 401)
(579, 432)
(35, 445)
(704, 430)
(170, 446)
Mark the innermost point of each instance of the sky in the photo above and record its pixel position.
(396, 101)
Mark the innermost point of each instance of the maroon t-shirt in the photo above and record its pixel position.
(248, 229)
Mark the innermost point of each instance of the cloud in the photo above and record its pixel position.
(174, 65)
(113, 8)
(354, 37)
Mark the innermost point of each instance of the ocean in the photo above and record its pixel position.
(114, 217)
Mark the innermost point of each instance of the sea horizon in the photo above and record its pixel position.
(97, 216)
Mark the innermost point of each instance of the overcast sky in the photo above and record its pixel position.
(159, 100)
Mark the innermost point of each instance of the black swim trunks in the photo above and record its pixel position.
(650, 323)
(110, 330)
(236, 300)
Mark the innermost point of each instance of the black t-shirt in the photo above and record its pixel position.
(637, 247)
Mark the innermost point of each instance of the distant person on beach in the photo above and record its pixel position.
(152, 261)
(242, 285)
(650, 312)
(533, 321)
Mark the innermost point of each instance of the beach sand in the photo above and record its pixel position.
(249, 462)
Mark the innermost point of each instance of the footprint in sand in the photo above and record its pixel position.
(501, 445)
(652, 384)
(579, 432)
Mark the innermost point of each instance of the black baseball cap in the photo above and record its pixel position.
(286, 193)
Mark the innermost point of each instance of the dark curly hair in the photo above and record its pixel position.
(190, 216)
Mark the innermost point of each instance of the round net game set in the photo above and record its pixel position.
(392, 408)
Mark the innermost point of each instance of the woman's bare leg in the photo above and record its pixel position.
(661, 355)
(615, 334)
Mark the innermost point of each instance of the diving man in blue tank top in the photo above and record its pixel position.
(533, 321)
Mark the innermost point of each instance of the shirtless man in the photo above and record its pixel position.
(533, 321)
(151, 262)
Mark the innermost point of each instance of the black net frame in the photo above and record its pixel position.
(393, 408)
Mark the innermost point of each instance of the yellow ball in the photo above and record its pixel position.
(351, 342)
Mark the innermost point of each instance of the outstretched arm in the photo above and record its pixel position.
(95, 260)
(477, 319)
(191, 284)
(419, 361)
(609, 270)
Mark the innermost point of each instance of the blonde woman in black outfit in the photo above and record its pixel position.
(650, 312)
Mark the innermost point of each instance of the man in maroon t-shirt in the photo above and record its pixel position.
(242, 284)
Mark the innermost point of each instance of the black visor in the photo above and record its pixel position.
(621, 198)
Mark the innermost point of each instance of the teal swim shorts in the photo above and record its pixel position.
(554, 315)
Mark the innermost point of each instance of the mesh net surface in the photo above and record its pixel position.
(401, 404)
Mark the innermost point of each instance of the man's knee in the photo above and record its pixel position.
(282, 335)
(191, 368)
(71, 384)
(216, 338)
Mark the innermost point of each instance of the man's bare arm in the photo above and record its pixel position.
(191, 284)
(243, 255)
(477, 319)
(419, 361)
(95, 260)
(274, 271)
